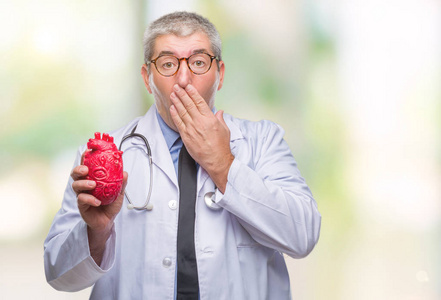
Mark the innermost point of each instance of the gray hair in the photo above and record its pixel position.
(180, 24)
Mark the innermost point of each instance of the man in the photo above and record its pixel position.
(261, 206)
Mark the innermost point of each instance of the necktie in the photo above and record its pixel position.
(187, 273)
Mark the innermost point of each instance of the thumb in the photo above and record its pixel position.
(220, 116)
(125, 178)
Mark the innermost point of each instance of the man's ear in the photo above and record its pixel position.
(145, 76)
(221, 74)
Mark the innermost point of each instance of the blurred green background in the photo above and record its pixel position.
(355, 84)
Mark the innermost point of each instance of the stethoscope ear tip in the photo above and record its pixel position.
(130, 206)
(149, 206)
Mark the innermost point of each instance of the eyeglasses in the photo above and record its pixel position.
(198, 63)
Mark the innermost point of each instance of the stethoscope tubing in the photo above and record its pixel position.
(147, 205)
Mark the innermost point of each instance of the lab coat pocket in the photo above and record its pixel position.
(254, 260)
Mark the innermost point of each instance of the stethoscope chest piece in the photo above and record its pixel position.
(209, 201)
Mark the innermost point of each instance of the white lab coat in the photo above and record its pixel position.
(267, 210)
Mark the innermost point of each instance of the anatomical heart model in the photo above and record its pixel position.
(105, 165)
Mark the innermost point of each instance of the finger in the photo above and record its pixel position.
(85, 200)
(200, 102)
(113, 208)
(79, 172)
(120, 197)
(81, 186)
(180, 108)
(188, 102)
(125, 179)
(177, 119)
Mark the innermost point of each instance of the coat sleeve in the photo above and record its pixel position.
(67, 261)
(268, 195)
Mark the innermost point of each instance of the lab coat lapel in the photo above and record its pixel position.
(235, 133)
(149, 127)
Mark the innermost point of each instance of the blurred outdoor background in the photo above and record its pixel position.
(355, 84)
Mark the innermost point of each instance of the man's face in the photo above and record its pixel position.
(161, 87)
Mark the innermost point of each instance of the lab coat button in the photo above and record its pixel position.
(173, 204)
(166, 262)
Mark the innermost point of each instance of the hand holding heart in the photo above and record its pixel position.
(205, 135)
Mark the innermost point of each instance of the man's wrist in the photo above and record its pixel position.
(220, 174)
(97, 242)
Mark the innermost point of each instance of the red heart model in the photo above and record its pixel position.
(105, 165)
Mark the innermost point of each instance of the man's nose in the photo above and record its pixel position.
(183, 76)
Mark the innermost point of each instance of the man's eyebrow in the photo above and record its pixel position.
(200, 51)
(166, 53)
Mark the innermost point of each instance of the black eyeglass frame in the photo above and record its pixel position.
(212, 57)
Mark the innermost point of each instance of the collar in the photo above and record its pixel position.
(170, 135)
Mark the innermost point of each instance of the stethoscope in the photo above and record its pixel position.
(208, 197)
